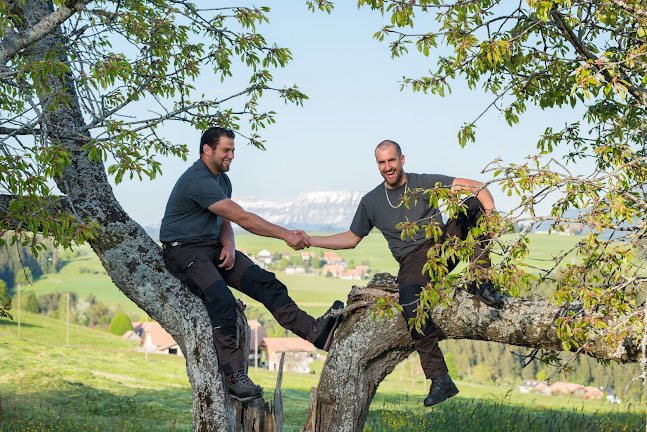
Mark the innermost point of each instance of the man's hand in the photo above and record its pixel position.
(228, 257)
(298, 240)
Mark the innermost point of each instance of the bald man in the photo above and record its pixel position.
(383, 208)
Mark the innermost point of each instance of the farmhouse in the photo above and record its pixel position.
(264, 257)
(306, 255)
(157, 340)
(359, 272)
(568, 389)
(295, 270)
(332, 269)
(298, 354)
(332, 258)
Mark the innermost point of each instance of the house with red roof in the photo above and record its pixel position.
(298, 354)
(157, 340)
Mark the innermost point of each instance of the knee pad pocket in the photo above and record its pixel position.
(221, 306)
(265, 287)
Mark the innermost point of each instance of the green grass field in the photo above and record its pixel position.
(84, 274)
(99, 383)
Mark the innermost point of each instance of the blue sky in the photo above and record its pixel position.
(355, 102)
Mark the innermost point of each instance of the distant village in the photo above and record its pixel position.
(308, 263)
(265, 352)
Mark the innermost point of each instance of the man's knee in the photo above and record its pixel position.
(409, 300)
(474, 211)
(466, 218)
(221, 306)
(265, 287)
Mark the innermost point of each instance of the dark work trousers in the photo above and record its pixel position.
(195, 263)
(411, 280)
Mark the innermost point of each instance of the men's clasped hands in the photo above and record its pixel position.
(300, 240)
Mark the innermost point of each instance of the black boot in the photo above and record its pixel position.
(321, 331)
(243, 388)
(485, 292)
(441, 389)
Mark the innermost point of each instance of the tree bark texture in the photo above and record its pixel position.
(365, 349)
(131, 258)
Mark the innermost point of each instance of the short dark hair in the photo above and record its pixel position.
(211, 137)
(387, 143)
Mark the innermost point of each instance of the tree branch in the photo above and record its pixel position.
(632, 9)
(18, 131)
(16, 41)
(636, 91)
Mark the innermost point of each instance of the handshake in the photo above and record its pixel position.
(298, 240)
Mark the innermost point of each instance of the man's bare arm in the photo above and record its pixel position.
(472, 186)
(345, 240)
(229, 210)
(228, 253)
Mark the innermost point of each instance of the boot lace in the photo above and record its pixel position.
(242, 378)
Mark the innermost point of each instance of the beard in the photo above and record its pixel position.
(395, 182)
(221, 165)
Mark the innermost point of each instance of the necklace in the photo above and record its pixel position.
(387, 194)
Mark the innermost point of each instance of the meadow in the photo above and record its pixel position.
(101, 383)
(84, 274)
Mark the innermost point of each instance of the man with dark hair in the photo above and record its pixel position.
(382, 208)
(199, 249)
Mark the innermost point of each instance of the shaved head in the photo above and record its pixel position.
(390, 162)
(389, 143)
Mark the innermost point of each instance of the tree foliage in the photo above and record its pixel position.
(116, 59)
(588, 56)
(28, 302)
(15, 261)
(120, 324)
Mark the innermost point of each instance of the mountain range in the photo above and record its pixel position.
(321, 211)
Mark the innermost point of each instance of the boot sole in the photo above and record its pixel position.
(244, 399)
(447, 396)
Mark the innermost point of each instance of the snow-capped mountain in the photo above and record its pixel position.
(325, 211)
(312, 211)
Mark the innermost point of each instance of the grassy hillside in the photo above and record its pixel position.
(99, 383)
(84, 274)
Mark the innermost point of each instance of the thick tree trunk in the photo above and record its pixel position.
(129, 255)
(366, 350)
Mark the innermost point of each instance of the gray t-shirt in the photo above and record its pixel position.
(374, 211)
(186, 216)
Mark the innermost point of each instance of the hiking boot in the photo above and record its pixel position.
(485, 292)
(321, 331)
(243, 388)
(441, 389)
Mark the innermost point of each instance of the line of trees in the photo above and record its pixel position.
(88, 311)
(18, 265)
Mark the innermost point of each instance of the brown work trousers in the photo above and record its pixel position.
(411, 281)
